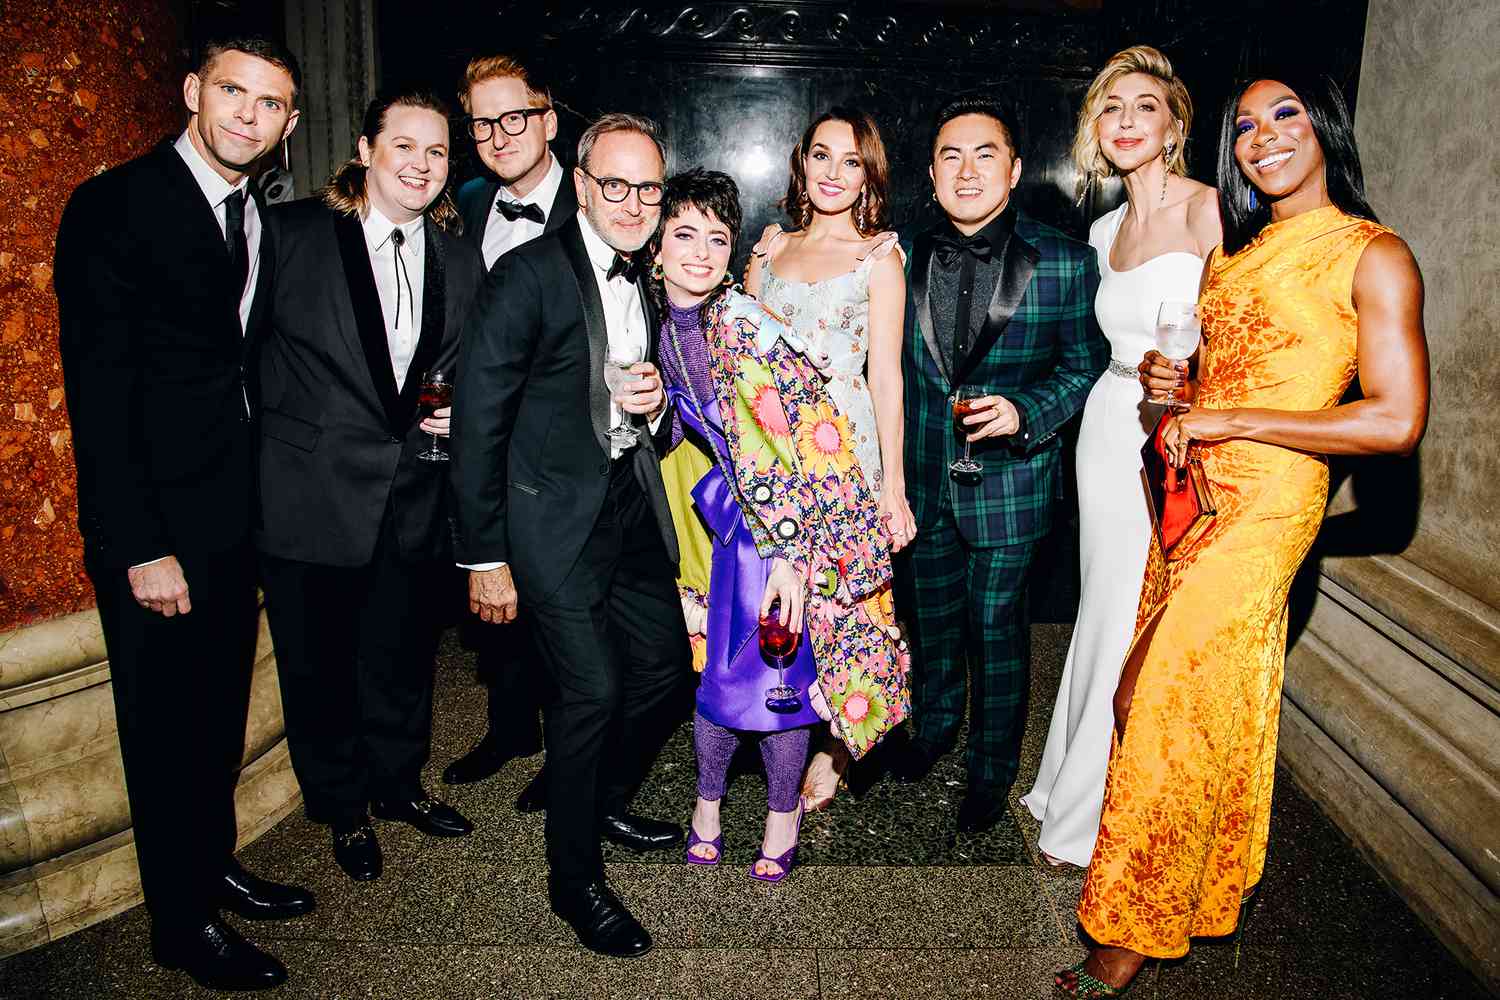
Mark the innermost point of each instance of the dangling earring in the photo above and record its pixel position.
(1166, 159)
(804, 210)
(656, 272)
(286, 157)
(728, 281)
(860, 206)
(1253, 203)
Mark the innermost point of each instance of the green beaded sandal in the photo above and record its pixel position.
(1089, 988)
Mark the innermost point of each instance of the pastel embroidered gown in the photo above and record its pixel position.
(833, 317)
(1114, 534)
(1188, 797)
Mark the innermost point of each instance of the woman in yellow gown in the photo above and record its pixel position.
(1307, 292)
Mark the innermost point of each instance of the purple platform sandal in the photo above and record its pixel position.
(694, 840)
(785, 861)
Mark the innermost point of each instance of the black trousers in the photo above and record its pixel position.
(354, 648)
(182, 694)
(614, 643)
(510, 667)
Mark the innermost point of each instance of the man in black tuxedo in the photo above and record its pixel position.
(552, 508)
(356, 538)
(511, 121)
(163, 276)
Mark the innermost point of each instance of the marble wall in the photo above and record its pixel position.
(1392, 715)
(84, 84)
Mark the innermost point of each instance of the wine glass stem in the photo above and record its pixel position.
(435, 442)
(781, 670)
(966, 448)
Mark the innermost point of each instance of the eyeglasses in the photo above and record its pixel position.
(510, 122)
(618, 189)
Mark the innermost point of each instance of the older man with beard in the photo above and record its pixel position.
(556, 514)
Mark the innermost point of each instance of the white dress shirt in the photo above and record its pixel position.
(501, 236)
(216, 189)
(400, 288)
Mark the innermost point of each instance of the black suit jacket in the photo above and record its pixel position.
(156, 365)
(476, 205)
(531, 462)
(338, 441)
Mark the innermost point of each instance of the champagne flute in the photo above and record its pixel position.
(963, 406)
(778, 642)
(1178, 333)
(435, 393)
(616, 374)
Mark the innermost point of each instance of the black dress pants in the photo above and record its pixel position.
(614, 643)
(182, 694)
(354, 648)
(510, 667)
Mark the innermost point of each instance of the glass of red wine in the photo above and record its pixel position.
(777, 642)
(436, 392)
(963, 405)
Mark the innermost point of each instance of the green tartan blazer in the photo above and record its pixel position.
(1040, 347)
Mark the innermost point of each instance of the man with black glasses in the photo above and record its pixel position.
(509, 117)
(556, 515)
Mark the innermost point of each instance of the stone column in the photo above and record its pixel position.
(1393, 691)
(335, 42)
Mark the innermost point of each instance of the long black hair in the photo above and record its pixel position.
(1342, 173)
(710, 192)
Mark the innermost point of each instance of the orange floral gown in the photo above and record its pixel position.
(1188, 797)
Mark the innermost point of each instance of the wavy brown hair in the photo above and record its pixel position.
(345, 191)
(872, 210)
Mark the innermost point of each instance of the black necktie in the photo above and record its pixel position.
(948, 247)
(397, 239)
(621, 268)
(513, 210)
(234, 239)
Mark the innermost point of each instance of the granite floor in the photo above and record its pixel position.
(886, 903)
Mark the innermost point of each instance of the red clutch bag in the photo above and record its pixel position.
(1181, 505)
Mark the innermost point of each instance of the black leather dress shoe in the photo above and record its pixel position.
(533, 798)
(217, 957)
(254, 898)
(640, 833)
(911, 762)
(427, 814)
(484, 761)
(981, 808)
(358, 852)
(601, 921)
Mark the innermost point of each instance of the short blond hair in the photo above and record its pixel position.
(1087, 157)
(500, 67)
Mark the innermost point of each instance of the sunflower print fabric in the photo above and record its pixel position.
(794, 467)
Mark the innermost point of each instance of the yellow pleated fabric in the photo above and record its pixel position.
(1188, 797)
(681, 470)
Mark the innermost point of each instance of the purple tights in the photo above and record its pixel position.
(784, 754)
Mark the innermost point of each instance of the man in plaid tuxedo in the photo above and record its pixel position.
(1001, 307)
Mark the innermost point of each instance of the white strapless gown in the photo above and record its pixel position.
(1114, 535)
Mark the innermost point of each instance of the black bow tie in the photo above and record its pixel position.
(513, 210)
(621, 268)
(949, 247)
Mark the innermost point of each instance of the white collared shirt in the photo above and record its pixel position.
(501, 236)
(624, 319)
(403, 322)
(216, 189)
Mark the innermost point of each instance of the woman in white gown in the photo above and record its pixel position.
(1132, 125)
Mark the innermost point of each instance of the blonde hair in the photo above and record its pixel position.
(1087, 156)
(346, 190)
(500, 67)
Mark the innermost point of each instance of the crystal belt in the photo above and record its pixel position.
(1123, 370)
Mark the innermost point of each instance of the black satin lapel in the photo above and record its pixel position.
(434, 321)
(564, 205)
(1020, 261)
(368, 319)
(593, 320)
(921, 265)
